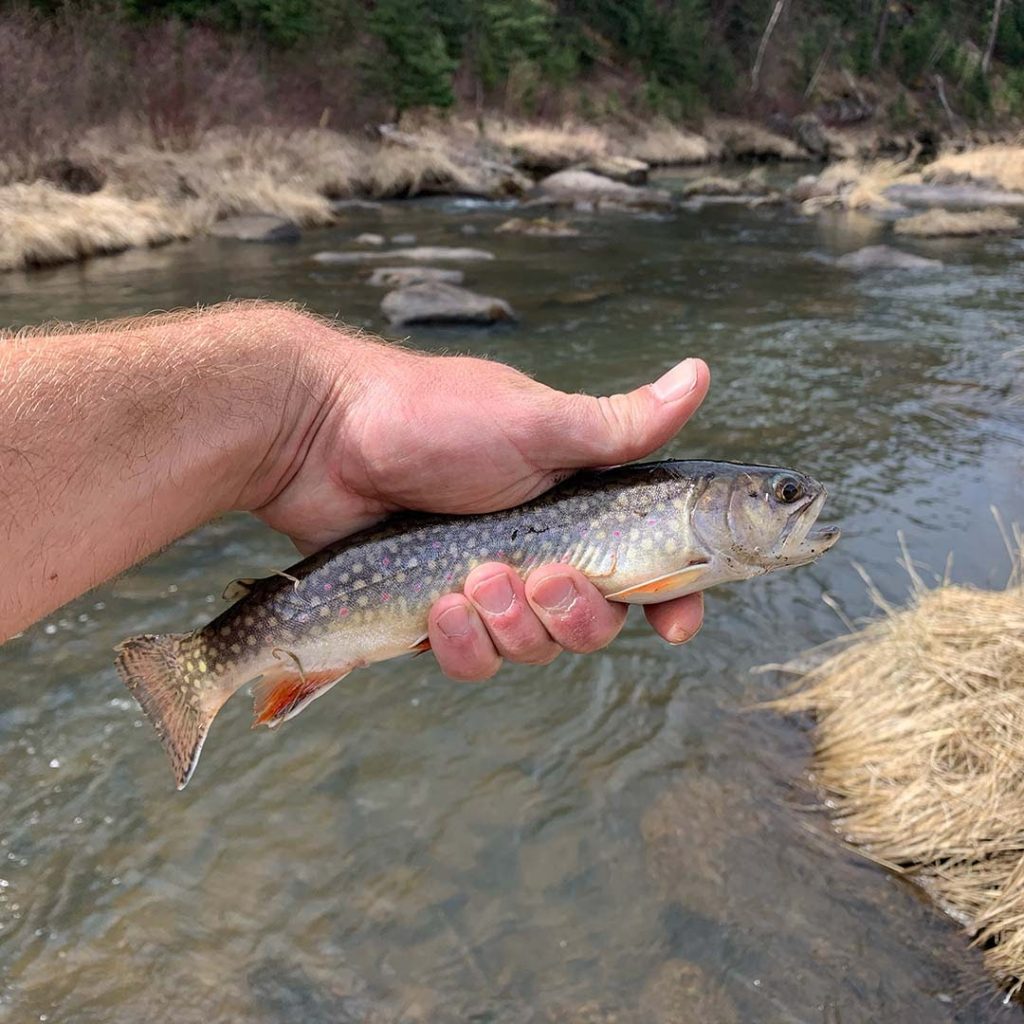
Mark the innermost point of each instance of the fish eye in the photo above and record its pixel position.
(787, 488)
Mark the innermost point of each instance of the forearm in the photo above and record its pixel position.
(117, 441)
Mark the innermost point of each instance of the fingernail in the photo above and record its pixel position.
(494, 595)
(677, 383)
(454, 622)
(556, 594)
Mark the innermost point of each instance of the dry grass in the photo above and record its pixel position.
(551, 147)
(40, 224)
(859, 185)
(1003, 165)
(663, 143)
(944, 224)
(919, 739)
(745, 140)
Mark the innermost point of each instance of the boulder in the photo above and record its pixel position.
(575, 186)
(809, 132)
(436, 302)
(943, 224)
(369, 238)
(714, 185)
(401, 277)
(406, 239)
(541, 227)
(619, 168)
(257, 227)
(419, 254)
(885, 257)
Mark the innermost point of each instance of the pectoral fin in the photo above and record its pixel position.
(282, 695)
(663, 588)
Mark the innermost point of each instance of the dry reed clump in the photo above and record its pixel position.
(745, 140)
(1002, 165)
(40, 224)
(859, 185)
(551, 147)
(944, 224)
(663, 143)
(919, 739)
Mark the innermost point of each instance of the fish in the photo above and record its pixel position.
(643, 533)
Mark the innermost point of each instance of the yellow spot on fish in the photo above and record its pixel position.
(202, 667)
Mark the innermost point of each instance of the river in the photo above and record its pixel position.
(621, 836)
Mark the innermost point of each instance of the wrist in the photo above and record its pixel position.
(308, 374)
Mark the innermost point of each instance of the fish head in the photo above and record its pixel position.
(761, 518)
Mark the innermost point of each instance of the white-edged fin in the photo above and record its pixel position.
(663, 588)
(421, 646)
(237, 589)
(280, 696)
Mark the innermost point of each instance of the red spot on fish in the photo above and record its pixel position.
(385, 596)
(500, 554)
(328, 587)
(342, 612)
(417, 587)
(651, 521)
(616, 533)
(436, 544)
(448, 578)
(385, 561)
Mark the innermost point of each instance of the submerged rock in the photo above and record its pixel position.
(436, 302)
(680, 992)
(421, 254)
(713, 185)
(541, 227)
(401, 277)
(344, 205)
(368, 238)
(257, 228)
(878, 257)
(943, 224)
(406, 239)
(583, 186)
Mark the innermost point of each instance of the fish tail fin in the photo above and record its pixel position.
(169, 686)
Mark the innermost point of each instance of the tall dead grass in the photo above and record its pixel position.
(40, 224)
(1003, 165)
(919, 741)
(948, 224)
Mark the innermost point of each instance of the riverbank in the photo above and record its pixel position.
(105, 195)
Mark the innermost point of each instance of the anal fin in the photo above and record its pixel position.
(663, 588)
(279, 696)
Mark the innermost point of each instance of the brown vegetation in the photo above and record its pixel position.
(918, 741)
(943, 224)
(1002, 165)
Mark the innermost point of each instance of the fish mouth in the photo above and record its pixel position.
(800, 544)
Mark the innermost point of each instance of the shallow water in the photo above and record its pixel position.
(619, 830)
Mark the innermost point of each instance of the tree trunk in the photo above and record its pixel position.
(883, 21)
(755, 74)
(993, 32)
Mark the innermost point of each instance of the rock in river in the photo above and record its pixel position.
(437, 302)
(583, 186)
(885, 257)
(943, 224)
(420, 254)
(401, 277)
(258, 227)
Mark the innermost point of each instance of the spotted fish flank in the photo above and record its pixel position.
(643, 534)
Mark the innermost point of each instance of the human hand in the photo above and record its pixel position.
(398, 429)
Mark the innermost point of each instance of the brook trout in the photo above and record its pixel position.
(642, 533)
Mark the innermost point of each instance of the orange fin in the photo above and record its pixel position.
(282, 695)
(663, 588)
(420, 647)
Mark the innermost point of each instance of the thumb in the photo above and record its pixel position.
(588, 431)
